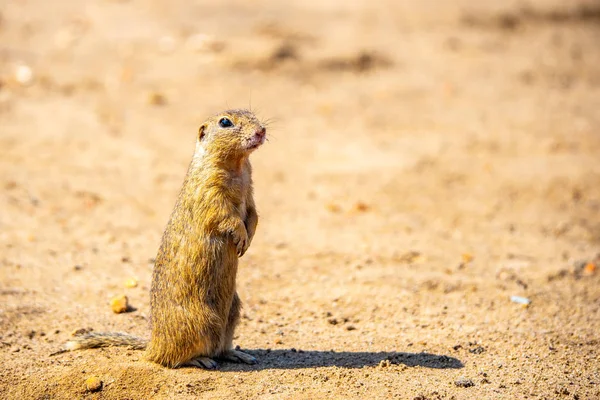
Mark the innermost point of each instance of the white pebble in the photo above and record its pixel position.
(520, 300)
(24, 74)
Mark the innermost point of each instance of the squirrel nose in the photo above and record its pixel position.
(261, 132)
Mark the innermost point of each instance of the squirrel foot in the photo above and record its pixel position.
(238, 357)
(201, 362)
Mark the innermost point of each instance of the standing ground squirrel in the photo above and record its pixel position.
(194, 304)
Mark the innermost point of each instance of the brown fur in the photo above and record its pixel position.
(194, 304)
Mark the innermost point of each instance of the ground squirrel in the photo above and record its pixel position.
(194, 304)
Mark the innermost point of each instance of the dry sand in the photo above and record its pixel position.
(427, 160)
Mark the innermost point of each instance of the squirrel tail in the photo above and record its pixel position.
(103, 339)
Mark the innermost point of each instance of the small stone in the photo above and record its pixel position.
(130, 283)
(589, 269)
(477, 350)
(24, 75)
(350, 328)
(384, 363)
(119, 304)
(93, 384)
(157, 99)
(80, 331)
(464, 382)
(524, 301)
(411, 257)
(361, 207)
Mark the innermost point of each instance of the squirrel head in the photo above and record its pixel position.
(231, 135)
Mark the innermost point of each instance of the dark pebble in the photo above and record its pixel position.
(464, 382)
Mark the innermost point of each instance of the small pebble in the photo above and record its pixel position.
(589, 269)
(130, 283)
(24, 75)
(467, 257)
(464, 382)
(119, 304)
(93, 384)
(520, 300)
(361, 207)
(80, 331)
(157, 99)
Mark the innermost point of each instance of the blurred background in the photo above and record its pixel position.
(426, 161)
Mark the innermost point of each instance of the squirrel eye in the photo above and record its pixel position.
(225, 123)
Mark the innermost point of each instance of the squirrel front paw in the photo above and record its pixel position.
(240, 239)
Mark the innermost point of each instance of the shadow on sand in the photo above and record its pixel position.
(292, 359)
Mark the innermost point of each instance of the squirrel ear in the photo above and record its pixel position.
(201, 132)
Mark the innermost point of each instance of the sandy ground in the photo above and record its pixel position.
(427, 161)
